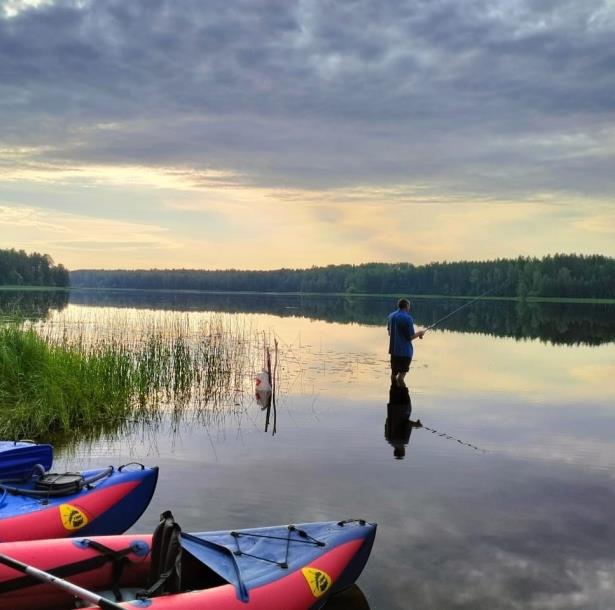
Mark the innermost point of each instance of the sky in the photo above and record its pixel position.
(259, 134)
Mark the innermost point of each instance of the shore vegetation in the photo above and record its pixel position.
(61, 378)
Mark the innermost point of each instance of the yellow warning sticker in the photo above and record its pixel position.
(318, 581)
(72, 517)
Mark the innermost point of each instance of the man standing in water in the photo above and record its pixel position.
(401, 334)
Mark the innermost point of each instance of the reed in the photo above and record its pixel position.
(66, 377)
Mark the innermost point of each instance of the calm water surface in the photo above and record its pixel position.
(504, 499)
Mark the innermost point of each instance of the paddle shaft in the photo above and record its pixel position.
(69, 587)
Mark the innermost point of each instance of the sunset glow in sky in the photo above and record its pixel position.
(271, 133)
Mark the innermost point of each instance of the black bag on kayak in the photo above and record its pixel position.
(61, 484)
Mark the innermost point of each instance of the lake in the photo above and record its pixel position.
(502, 500)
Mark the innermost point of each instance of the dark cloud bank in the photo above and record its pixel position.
(481, 96)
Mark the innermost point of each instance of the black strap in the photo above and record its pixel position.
(157, 586)
(119, 560)
(71, 569)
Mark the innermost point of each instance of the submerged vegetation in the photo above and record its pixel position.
(63, 378)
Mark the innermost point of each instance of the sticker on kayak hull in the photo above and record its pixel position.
(72, 517)
(318, 581)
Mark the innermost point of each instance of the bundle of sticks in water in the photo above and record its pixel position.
(266, 383)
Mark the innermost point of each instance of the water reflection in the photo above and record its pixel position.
(351, 599)
(558, 323)
(524, 524)
(32, 305)
(398, 425)
(265, 399)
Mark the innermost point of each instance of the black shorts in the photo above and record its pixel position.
(400, 364)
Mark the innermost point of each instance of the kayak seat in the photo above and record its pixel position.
(165, 573)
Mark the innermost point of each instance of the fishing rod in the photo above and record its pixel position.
(480, 296)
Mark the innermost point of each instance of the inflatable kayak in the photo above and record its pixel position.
(92, 502)
(294, 567)
(19, 458)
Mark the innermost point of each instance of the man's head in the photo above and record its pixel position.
(403, 304)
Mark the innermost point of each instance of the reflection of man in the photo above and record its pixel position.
(401, 334)
(398, 425)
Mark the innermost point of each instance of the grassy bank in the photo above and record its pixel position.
(59, 380)
(49, 388)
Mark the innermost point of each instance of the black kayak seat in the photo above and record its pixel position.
(166, 555)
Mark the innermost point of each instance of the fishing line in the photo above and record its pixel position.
(480, 296)
(452, 438)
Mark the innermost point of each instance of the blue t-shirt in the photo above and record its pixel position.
(401, 330)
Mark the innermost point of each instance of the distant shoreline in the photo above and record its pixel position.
(589, 301)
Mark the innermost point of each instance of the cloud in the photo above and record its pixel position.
(12, 8)
(355, 131)
(44, 230)
(315, 94)
(26, 165)
(598, 223)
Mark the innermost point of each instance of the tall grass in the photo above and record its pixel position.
(66, 377)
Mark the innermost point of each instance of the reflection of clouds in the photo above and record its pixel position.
(562, 447)
(596, 373)
(329, 355)
(500, 540)
(555, 432)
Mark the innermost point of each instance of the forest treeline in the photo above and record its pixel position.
(18, 268)
(560, 275)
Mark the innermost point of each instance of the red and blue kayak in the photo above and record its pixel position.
(294, 567)
(87, 503)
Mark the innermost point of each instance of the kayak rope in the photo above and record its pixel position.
(304, 538)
